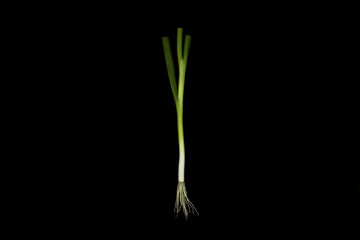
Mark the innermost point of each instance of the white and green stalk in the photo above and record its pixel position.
(182, 201)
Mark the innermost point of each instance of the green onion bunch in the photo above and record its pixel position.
(182, 201)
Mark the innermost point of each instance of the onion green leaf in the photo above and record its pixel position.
(170, 66)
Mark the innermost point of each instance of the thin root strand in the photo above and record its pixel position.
(182, 201)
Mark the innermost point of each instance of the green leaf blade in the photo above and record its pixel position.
(179, 46)
(170, 66)
(187, 48)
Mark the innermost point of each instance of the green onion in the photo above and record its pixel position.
(182, 201)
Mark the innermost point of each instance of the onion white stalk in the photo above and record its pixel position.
(182, 201)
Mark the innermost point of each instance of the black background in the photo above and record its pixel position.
(267, 125)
